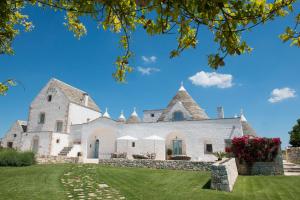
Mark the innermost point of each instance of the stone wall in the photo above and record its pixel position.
(263, 168)
(56, 159)
(158, 164)
(293, 154)
(223, 175)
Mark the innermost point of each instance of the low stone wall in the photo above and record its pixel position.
(56, 159)
(223, 175)
(293, 154)
(263, 168)
(158, 164)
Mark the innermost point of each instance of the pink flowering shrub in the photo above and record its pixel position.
(254, 149)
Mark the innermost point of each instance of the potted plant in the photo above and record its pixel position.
(169, 154)
(220, 155)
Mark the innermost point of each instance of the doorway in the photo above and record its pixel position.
(35, 146)
(96, 150)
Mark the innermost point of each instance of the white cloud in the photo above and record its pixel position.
(147, 70)
(280, 94)
(151, 59)
(210, 79)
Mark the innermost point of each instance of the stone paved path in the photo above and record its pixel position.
(79, 183)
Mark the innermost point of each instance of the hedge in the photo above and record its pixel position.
(11, 157)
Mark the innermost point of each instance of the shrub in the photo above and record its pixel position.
(254, 149)
(11, 157)
(295, 135)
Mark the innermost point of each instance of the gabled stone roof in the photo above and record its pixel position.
(74, 95)
(247, 129)
(188, 103)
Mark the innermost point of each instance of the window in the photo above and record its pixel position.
(49, 98)
(59, 126)
(133, 144)
(209, 148)
(152, 115)
(15, 135)
(42, 118)
(178, 116)
(57, 141)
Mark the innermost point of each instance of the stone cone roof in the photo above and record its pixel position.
(247, 129)
(134, 118)
(188, 103)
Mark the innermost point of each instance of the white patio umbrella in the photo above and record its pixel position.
(127, 138)
(154, 138)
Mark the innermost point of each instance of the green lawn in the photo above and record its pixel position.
(34, 182)
(43, 182)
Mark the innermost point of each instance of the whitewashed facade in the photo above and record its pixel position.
(65, 121)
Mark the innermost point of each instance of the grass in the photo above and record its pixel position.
(167, 184)
(43, 182)
(33, 182)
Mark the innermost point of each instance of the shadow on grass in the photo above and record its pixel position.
(206, 186)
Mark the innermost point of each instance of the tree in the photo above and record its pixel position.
(295, 135)
(226, 19)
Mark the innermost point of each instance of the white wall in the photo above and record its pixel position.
(44, 142)
(147, 115)
(195, 133)
(17, 130)
(55, 110)
(57, 147)
(79, 114)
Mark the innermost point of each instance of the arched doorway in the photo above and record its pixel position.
(176, 143)
(96, 149)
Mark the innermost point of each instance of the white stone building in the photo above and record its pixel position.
(65, 121)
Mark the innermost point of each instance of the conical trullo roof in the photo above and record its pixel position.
(134, 118)
(106, 114)
(122, 117)
(188, 103)
(247, 129)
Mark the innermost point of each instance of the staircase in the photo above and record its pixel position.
(65, 151)
(291, 169)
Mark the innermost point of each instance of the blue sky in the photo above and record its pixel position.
(50, 50)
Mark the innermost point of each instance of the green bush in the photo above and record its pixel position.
(11, 157)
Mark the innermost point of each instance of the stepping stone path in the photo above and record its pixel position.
(80, 184)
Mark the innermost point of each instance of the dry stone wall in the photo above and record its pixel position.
(56, 159)
(158, 164)
(223, 175)
(293, 154)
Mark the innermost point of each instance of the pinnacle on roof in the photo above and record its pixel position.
(182, 87)
(106, 114)
(242, 116)
(122, 117)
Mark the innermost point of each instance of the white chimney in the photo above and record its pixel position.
(220, 111)
(86, 99)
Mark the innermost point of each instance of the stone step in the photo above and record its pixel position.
(65, 151)
(292, 173)
(292, 170)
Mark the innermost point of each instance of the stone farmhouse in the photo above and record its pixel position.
(66, 121)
